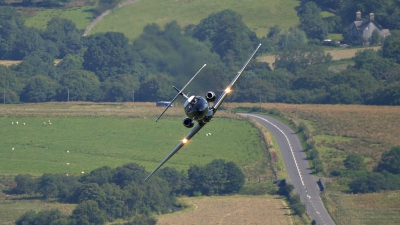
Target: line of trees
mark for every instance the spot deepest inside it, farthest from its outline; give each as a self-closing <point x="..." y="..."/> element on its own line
<point x="106" y="194"/>
<point x="107" y="67"/>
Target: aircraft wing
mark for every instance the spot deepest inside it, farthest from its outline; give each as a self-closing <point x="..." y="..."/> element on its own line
<point x="179" y="146"/>
<point x="233" y="82"/>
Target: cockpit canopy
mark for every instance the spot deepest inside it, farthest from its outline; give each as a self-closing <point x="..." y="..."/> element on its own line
<point x="196" y="107"/>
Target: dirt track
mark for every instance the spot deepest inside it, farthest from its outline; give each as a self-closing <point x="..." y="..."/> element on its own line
<point x="95" y="21"/>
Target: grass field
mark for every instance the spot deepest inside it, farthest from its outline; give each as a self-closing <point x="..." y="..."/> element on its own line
<point x="231" y="210"/>
<point x="84" y="137"/>
<point x="258" y="15"/>
<point x="81" y="16"/>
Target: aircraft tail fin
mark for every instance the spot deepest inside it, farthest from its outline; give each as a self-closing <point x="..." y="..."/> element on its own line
<point x="180" y="92"/>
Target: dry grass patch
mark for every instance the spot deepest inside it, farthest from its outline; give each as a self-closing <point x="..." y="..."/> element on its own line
<point x="9" y="62"/>
<point x="375" y="208"/>
<point x="231" y="210"/>
<point x="337" y="54"/>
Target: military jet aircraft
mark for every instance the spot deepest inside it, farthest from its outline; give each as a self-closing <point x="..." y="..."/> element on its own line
<point x="197" y="109"/>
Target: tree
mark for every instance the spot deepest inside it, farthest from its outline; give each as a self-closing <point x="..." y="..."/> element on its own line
<point x="119" y="88"/>
<point x="311" y="21"/>
<point x="10" y="85"/>
<point x="48" y="185"/>
<point x="274" y="32"/>
<point x="370" y="61"/>
<point x="70" y="62"/>
<point x="126" y="174"/>
<point x="297" y="206"/>
<point x="11" y="25"/>
<point x="284" y="188"/>
<point x="25" y="184"/>
<point x="30" y="42"/>
<point x="88" y="212"/>
<point x="153" y="88"/>
<point x="300" y="57"/>
<point x="108" y="54"/>
<point x="79" y="85"/>
<point x="99" y="176"/>
<point x="367" y="183"/>
<point x="361" y="87"/>
<point x="354" y="162"/>
<point x="230" y="38"/>
<point x="39" y="89"/>
<point x="37" y="63"/>
<point x="391" y="46"/>
<point x="234" y="180"/>
<point x="344" y="94"/>
<point x="65" y="35"/>
<point x="45" y="217"/>
<point x="177" y="181"/>
<point x="390" y="161"/>
<point x="292" y="38"/>
<point x="217" y="177"/>
<point x="389" y="95"/>
<point x="91" y="191"/>
<point x="375" y="38"/>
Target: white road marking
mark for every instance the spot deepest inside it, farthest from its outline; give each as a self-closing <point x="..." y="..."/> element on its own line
<point x="290" y="146"/>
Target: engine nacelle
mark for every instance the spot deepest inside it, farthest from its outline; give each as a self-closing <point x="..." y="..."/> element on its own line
<point x="210" y="96"/>
<point x="189" y="123"/>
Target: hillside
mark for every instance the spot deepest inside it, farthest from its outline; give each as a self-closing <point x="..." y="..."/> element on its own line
<point x="258" y="15"/>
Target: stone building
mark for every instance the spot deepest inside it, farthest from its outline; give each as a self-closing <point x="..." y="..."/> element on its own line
<point x="362" y="28"/>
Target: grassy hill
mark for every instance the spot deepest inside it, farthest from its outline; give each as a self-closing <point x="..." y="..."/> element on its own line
<point x="259" y="15"/>
<point x="81" y="16"/>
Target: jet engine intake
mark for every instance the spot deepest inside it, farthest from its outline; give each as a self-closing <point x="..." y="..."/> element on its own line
<point x="210" y="96"/>
<point x="189" y="123"/>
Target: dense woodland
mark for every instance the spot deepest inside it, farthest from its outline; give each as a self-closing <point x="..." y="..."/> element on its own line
<point x="109" y="67"/>
<point x="107" y="194"/>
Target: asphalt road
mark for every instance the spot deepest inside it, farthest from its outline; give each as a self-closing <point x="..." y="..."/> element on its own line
<point x="297" y="167"/>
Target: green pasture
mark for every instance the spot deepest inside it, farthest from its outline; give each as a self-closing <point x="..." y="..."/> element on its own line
<point x="74" y="145"/>
<point x="81" y="16"/>
<point x="258" y="15"/>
